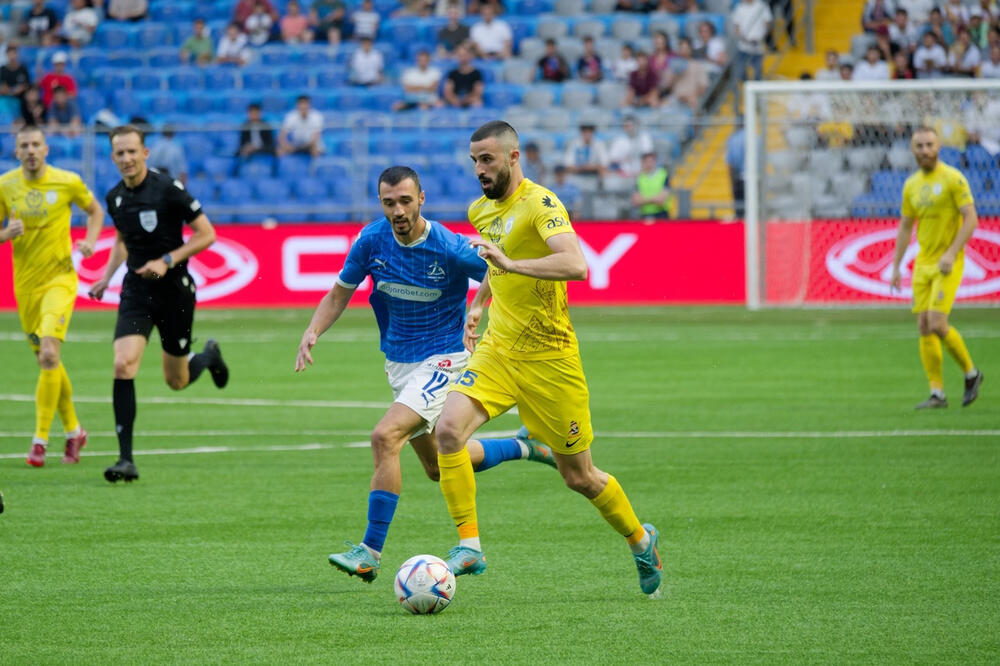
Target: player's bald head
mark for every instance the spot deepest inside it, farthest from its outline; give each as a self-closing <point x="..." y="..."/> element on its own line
<point x="505" y="135"/>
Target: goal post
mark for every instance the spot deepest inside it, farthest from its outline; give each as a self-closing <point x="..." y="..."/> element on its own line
<point x="824" y="178"/>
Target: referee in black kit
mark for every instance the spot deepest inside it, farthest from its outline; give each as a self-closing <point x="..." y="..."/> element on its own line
<point x="149" y="210"/>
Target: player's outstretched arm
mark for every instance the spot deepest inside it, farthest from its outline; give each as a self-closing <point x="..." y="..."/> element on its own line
<point x="95" y="222"/>
<point x="902" y="242"/>
<point x="970" y="220"/>
<point x="327" y="312"/>
<point x="118" y="255"/>
<point x="470" y="336"/>
<point x="565" y="263"/>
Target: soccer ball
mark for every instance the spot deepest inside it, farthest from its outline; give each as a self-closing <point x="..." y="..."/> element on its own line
<point x="424" y="585"/>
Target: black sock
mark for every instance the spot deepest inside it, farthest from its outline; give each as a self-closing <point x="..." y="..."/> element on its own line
<point x="123" y="399"/>
<point x="196" y="364"/>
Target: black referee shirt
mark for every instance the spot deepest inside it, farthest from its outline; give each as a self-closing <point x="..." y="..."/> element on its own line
<point x="150" y="218"/>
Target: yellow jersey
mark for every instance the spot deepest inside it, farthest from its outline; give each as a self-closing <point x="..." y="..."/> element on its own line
<point x="529" y="317"/>
<point x="933" y="200"/>
<point x="43" y="250"/>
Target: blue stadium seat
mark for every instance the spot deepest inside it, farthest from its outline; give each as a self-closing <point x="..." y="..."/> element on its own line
<point x="978" y="157"/>
<point x="114" y="36"/>
<point x="91" y="101"/>
<point x="214" y="11"/>
<point x="226" y="143"/>
<point x="532" y="7"/>
<point x="185" y="78"/>
<point x="126" y="104"/>
<point x="163" y="58"/>
<point x="202" y="189"/>
<point x="464" y="188"/>
<point x="989" y="205"/>
<point x="257" y="167"/>
<point x="92" y="59"/>
<point x="347" y="98"/>
<point x="175" y="11"/>
<point x="200" y="103"/>
<point x="316" y="56"/>
<point x="235" y="102"/>
<point x="234" y="191"/>
<point x="125" y="61"/>
<point x="888" y="182"/>
<point x="331" y="77"/>
<point x="522" y="26"/>
<point x="277" y="55"/>
<point x="381" y="98"/>
<point x="151" y="35"/>
<point x="219" y="78"/>
<point x="164" y="102"/>
<point x="294" y="78"/>
<point x="198" y="143"/>
<point x="108" y="79"/>
<point x="258" y="78"/>
<point x="331" y="169"/>
<point x="311" y="189"/>
<point x="951" y="156"/>
<point x="294" y="167"/>
<point x="145" y="80"/>
<point x="219" y="167"/>
<point x="271" y="190"/>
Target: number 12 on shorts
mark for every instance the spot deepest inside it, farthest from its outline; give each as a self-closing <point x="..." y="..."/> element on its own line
<point x="437" y="382"/>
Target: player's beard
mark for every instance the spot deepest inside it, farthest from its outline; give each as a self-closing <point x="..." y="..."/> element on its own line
<point x="497" y="187"/>
<point x="404" y="225"/>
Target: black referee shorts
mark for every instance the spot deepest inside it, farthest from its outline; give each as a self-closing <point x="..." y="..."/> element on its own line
<point x="167" y="303"/>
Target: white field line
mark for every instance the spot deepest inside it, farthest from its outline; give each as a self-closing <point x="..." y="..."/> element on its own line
<point x="232" y="402"/>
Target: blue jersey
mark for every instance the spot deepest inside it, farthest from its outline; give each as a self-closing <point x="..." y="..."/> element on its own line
<point x="418" y="291"/>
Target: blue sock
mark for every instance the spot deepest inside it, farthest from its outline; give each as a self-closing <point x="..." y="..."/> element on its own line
<point x="381" y="506"/>
<point x="495" y="451"/>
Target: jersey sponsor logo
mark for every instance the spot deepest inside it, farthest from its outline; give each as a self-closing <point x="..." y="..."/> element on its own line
<point x="216" y="272"/>
<point x="444" y="363"/>
<point x="555" y="222"/>
<point x="51" y="197"/>
<point x="148" y="220"/>
<point x="408" y="292"/>
<point x="436" y="272"/>
<point x="864" y="262"/>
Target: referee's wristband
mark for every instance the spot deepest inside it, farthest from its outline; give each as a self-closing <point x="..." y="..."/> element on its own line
<point x="168" y="260"/>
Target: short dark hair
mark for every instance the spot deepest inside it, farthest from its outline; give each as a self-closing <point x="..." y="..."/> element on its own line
<point x="122" y="130"/>
<point x="395" y="175"/>
<point x="30" y="128"/>
<point x="494" y="129"/>
<point x="57" y="88"/>
<point x="253" y="105"/>
<point x="302" y="97"/>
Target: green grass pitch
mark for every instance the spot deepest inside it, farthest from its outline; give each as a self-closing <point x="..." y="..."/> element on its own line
<point x="808" y="514"/>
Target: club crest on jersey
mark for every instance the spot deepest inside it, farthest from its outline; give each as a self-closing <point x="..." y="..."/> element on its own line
<point x="494" y="231"/>
<point x="510" y="225"/>
<point x="118" y="202"/>
<point x="50" y="197"/>
<point x="33" y="199"/>
<point x="436" y="272"/>
<point x="574" y="428"/>
<point x="937" y="188"/>
<point x="147" y="219"/>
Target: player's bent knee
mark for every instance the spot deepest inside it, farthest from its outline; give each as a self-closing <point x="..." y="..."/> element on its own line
<point x="124" y="368"/>
<point x="176" y="383"/>
<point x="48" y="359"/>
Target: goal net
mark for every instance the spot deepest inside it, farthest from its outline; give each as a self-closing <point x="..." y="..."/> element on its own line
<point x="824" y="182"/>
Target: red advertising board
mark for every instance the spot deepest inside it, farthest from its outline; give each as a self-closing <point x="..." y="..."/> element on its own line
<point x="294" y="265"/>
<point x="850" y="261"/>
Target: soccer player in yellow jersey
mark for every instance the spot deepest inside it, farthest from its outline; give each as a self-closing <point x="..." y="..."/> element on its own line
<point x="35" y="200"/>
<point x="937" y="197"/>
<point x="528" y="355"/>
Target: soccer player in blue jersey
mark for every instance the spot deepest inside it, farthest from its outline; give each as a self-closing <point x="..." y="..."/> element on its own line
<point x="420" y="275"/>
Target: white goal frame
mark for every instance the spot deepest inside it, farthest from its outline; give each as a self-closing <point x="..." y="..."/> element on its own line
<point x="753" y="91"/>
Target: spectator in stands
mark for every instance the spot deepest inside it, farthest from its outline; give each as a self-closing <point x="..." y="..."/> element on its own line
<point x="990" y="69"/>
<point x="873" y="67"/>
<point x="256" y="134"/>
<point x="782" y="8"/>
<point x="652" y="190"/>
<point x="636" y="6"/>
<point x="491" y="37"/>
<point x="964" y="57"/>
<point x="79" y="24"/>
<point x="677" y="6"/>
<point x="64" y="114"/>
<point x="244" y="8"/>
<point x="930" y="59"/>
<point x="566" y="191"/>
<point x="711" y="48"/>
<point x="903" y="33"/>
<point x="33" y="111"/>
<point x="940" y="28"/>
<point x="978" y="28"/>
<point x="643" y="84"/>
<point x="420" y="85"/>
<point x="128" y="10"/>
<point x="14" y="76"/>
<point x="751" y="21"/>
<point x="917" y="10"/>
<point x="423" y="8"/>
<point x="586" y="156"/>
<point x="552" y="66"/>
<point x="956" y="13"/>
<point x="464" y="86"/>
<point x="877" y="16"/>
<point x="301" y="131"/>
<point x="626" y="148"/>
<point x="626" y="63"/>
<point x="452" y="35"/>
<point x="233" y="49"/>
<point x="366" y="64"/>
<point x="198" y="47"/>
<point x="659" y="59"/>
<point x="832" y="70"/>
<point x="735" y="152"/>
<point x="40" y="25"/>
<point x="258" y="25"/>
<point x="364" y="21"/>
<point x="810" y="107"/>
<point x="686" y="79"/>
<point x="901" y="67"/>
<point x="532" y="165"/>
<point x="588" y="65"/>
<point x="846" y="71"/>
<point x="57" y="77"/>
<point x="327" y="15"/>
<point x="295" y="25"/>
<point x="442" y="8"/>
<point x="167" y="156"/>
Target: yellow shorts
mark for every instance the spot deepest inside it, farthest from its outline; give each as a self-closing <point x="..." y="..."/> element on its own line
<point x="934" y="291"/>
<point x="45" y="311"/>
<point x="551" y="395"/>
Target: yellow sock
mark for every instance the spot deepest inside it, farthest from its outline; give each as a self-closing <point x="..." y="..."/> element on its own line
<point x="67" y="413"/>
<point x="617" y="510"/>
<point x="458" y="484"/>
<point x="955" y="345"/>
<point x="46" y="397"/>
<point x="930" y="356"/>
